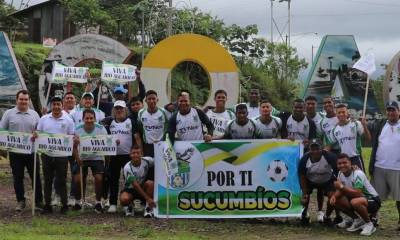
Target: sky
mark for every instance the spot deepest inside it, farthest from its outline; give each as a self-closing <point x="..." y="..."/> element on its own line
<point x="373" y="23"/>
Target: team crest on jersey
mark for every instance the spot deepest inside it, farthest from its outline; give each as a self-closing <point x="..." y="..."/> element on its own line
<point x="160" y="119"/>
<point x="353" y="129"/>
<point x="128" y="125"/>
<point x="195" y="118"/>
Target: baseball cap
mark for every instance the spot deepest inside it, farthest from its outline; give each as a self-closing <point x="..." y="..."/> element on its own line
<point x="315" y="142"/>
<point x="120" y="89"/>
<point x="392" y="104"/>
<point x="120" y="103"/>
<point x="87" y="94"/>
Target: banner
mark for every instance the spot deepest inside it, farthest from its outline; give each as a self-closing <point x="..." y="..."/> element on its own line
<point x="63" y="74"/>
<point x="54" y="145"/>
<point x="17" y="142"/>
<point x="118" y="73"/>
<point x="230" y="179"/>
<point x="169" y="156"/>
<point x="100" y="145"/>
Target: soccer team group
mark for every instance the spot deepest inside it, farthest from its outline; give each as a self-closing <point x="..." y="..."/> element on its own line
<point x="332" y="163"/>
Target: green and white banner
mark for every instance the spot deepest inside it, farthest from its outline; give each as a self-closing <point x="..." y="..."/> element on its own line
<point x="99" y="145"/>
<point x="63" y="74"/>
<point x="230" y="179"/>
<point x="17" y="142"/>
<point x="54" y="145"/>
<point x="118" y="73"/>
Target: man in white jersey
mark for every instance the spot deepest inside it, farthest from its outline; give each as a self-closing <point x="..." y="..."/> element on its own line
<point x="188" y="122"/>
<point x="298" y="126"/>
<point x="89" y="127"/>
<point x="347" y="134"/>
<point x="220" y="116"/>
<point x="355" y="195"/>
<point x="152" y="123"/>
<point x="384" y="166"/>
<point x="242" y="127"/>
<point x="137" y="186"/>
<point x="328" y="122"/>
<point x="269" y="126"/>
<point x="87" y="102"/>
<point x="311" y="111"/>
<point x="56" y="122"/>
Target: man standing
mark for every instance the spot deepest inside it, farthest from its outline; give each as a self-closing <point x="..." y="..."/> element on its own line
<point x="268" y="125"/>
<point x="22" y="119"/>
<point x="253" y="107"/>
<point x="242" y="127"/>
<point x="188" y="122"/>
<point x="69" y="102"/>
<point x="87" y="102"/>
<point x="56" y="122"/>
<point x="384" y="166"/>
<point x="220" y="116"/>
<point x="328" y="122"/>
<point x="311" y="110"/>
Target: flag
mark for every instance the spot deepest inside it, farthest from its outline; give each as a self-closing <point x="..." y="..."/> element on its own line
<point x="169" y="156"/>
<point x="366" y="64"/>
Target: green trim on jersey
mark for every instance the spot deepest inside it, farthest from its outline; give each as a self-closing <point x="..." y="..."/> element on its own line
<point x="141" y="112"/>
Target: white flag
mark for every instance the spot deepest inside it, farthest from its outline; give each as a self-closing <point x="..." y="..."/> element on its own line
<point x="366" y="64"/>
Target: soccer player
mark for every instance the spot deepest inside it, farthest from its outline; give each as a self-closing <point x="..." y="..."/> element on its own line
<point x="317" y="170"/>
<point x="87" y="102"/>
<point x="347" y="133"/>
<point x="220" y="116"/>
<point x="89" y="127"/>
<point x="253" y="105"/>
<point x="298" y="126"/>
<point x="188" y="122"/>
<point x="355" y="195"/>
<point x="56" y="122"/>
<point x="242" y="127"/>
<point x="125" y="131"/>
<point x="22" y="119"/>
<point x="136" y="185"/>
<point x="269" y="126"/>
<point x="311" y="110"/>
<point x="328" y="122"/>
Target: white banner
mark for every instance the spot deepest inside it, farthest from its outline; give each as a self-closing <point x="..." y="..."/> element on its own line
<point x="54" y="145"/>
<point x="169" y="156"/>
<point x="63" y="74"/>
<point x="17" y="142"/>
<point x="366" y="64"/>
<point x="100" y="145"/>
<point x="118" y="73"/>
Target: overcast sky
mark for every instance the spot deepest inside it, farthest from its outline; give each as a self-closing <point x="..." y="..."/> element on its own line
<point x="373" y="23"/>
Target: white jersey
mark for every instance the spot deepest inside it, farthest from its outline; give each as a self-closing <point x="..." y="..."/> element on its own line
<point x="298" y="130"/>
<point x="271" y="129"/>
<point x="220" y="121"/>
<point x="326" y="125"/>
<point x="247" y="131"/>
<point x="189" y="126"/>
<point x="123" y="132"/>
<point x="153" y="125"/>
<point x="98" y="130"/>
<point x="358" y="180"/>
<point x="388" y="152"/>
<point x="77" y="115"/>
<point x="139" y="174"/>
<point x="317" y="119"/>
<point x="349" y="137"/>
<point x="253" y="111"/>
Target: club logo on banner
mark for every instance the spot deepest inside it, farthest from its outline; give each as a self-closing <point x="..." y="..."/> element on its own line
<point x="100" y="145"/>
<point x="63" y="74"/>
<point x="17" y="142"/>
<point x="230" y="179"/>
<point x="54" y="145"/>
<point x="118" y="73"/>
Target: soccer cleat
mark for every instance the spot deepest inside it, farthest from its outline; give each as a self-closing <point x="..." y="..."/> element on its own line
<point x="368" y="229"/>
<point x="56" y="201"/>
<point x="345" y="223"/>
<point x="20" y="206"/>
<point x="98" y="208"/>
<point x="320" y="216"/>
<point x="357" y="225"/>
<point x="129" y="211"/>
<point x="71" y="201"/>
<point x="148" y="212"/>
<point x="112" y="209"/>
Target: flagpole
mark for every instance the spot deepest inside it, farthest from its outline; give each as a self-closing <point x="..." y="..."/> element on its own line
<point x="34" y="183"/>
<point x="98" y="95"/>
<point x="365" y="98"/>
<point x="82" y="198"/>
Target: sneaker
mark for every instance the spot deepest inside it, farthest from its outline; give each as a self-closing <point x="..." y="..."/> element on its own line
<point x="71" y="201"/>
<point x="106" y="203"/>
<point x="64" y="209"/>
<point x="320" y="216"/>
<point x="112" y="209"/>
<point x="87" y="205"/>
<point x="345" y="223"/>
<point x="129" y="211"/>
<point x="77" y="206"/>
<point x="47" y="209"/>
<point x="368" y="229"/>
<point x="20" y="206"/>
<point x="56" y="201"/>
<point x="98" y="208"/>
<point x="357" y="225"/>
<point x="148" y="212"/>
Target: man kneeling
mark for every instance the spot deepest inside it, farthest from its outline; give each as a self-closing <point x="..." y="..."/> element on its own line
<point x="355" y="195"/>
<point x="136" y="185"/>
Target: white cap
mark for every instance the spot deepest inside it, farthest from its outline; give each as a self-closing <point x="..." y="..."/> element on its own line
<point x="120" y="103"/>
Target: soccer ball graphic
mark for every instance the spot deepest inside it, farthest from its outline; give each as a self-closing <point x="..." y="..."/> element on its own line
<point x="177" y="182"/>
<point x="277" y="171"/>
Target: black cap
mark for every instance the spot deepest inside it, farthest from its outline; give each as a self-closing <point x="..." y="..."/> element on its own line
<point x="392" y="104"/>
<point x="315" y="142"/>
<point x="56" y="99"/>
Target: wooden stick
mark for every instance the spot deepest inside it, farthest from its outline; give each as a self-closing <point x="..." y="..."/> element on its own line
<point x="34" y="184"/>
<point x="365" y="98"/>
